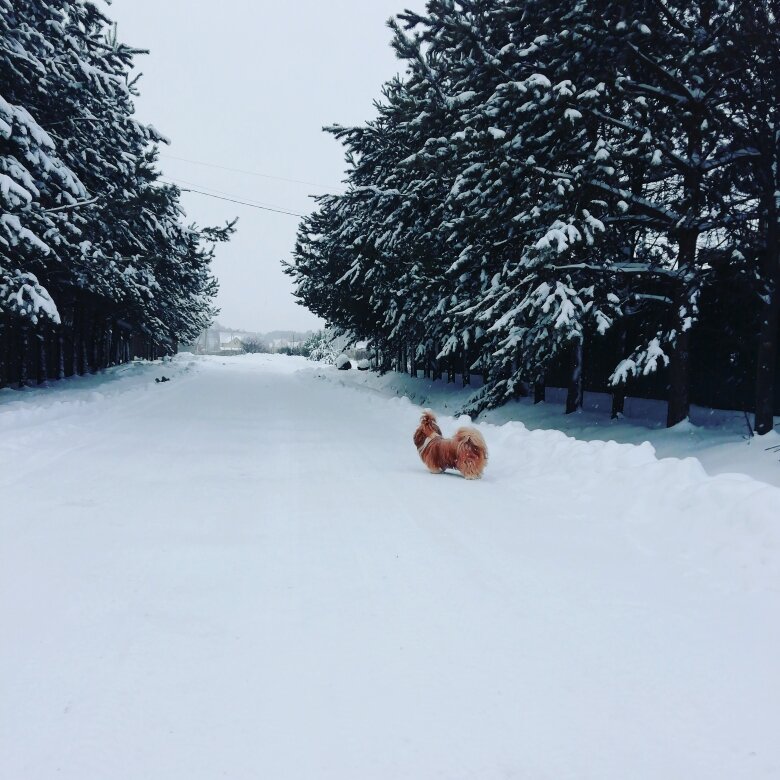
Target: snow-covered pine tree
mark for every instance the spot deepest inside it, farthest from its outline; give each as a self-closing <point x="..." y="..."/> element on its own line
<point x="34" y="180"/>
<point x="111" y="249"/>
<point x="365" y="260"/>
<point x="671" y="116"/>
<point x="516" y="206"/>
<point x="545" y="172"/>
<point x="453" y="198"/>
<point x="754" y="107"/>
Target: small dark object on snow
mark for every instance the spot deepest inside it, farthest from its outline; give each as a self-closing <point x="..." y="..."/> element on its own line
<point x="164" y="379"/>
<point x="343" y="363"/>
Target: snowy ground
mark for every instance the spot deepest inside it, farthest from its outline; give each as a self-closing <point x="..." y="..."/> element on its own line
<point x="719" y="439"/>
<point x="246" y="573"/>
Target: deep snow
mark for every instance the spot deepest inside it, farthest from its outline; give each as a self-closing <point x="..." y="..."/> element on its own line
<point x="719" y="439"/>
<point x="247" y="573"/>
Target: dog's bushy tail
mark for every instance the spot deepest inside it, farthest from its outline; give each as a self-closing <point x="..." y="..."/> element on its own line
<point x="471" y="452"/>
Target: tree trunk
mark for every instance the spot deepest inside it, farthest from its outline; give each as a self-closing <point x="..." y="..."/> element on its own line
<point x="42" y="372"/>
<point x="436" y="363"/>
<point x="24" y="342"/>
<point x="466" y="376"/>
<point x="76" y="348"/>
<point x="618" y="401"/>
<point x="74" y="338"/>
<point x="60" y="354"/>
<point x="679" y="370"/>
<point x="539" y="391"/>
<point x="766" y="370"/>
<point x="769" y="311"/>
<point x="84" y="343"/>
<point x="106" y="346"/>
<point x="96" y="343"/>
<point x="619" y="391"/>
<point x="3" y="355"/>
<point x="574" y="394"/>
<point x="679" y="404"/>
<point x="767" y="365"/>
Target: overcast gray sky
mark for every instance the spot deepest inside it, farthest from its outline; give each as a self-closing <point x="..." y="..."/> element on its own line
<point x="249" y="84"/>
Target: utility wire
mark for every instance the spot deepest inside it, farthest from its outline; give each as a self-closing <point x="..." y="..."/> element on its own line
<point x="202" y="188"/>
<point x="250" y="173"/>
<point x="242" y="202"/>
<point x="214" y="191"/>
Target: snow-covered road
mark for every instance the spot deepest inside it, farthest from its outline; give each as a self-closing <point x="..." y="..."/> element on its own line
<point x="246" y="573"/>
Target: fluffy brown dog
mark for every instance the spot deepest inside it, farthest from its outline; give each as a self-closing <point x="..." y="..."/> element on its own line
<point x="465" y="451"/>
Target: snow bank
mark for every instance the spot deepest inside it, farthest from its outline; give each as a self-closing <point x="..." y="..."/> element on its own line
<point x="718" y="439"/>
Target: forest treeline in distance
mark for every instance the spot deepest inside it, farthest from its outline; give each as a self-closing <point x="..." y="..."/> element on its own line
<point x="96" y="262"/>
<point x="568" y="192"/>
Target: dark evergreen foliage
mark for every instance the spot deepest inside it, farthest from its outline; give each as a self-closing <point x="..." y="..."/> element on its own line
<point x="557" y="179"/>
<point x="95" y="261"/>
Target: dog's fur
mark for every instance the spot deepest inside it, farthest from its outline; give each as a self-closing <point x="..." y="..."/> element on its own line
<point x="465" y="451"/>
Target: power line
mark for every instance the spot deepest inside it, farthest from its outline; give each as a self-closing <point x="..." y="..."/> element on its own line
<point x="242" y="202"/>
<point x="214" y="191"/>
<point x="250" y="173"/>
<point x="211" y="192"/>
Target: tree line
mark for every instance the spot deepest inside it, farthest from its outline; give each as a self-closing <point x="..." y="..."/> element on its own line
<point x="562" y="190"/>
<point x="96" y="262"/>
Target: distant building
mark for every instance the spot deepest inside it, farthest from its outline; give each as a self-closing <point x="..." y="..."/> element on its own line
<point x="217" y="340"/>
<point x="208" y="343"/>
<point x="234" y="345"/>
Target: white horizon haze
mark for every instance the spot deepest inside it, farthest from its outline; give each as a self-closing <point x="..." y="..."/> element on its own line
<point x="248" y="86"/>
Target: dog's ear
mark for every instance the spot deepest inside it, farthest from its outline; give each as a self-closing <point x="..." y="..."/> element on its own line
<point x="430" y="425"/>
<point x="419" y="437"/>
<point x="428" y="422"/>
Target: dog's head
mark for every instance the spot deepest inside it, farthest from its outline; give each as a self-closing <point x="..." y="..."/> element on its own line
<point x="427" y="427"/>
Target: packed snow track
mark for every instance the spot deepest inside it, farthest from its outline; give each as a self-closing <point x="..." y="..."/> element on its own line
<point x="247" y="573"/>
